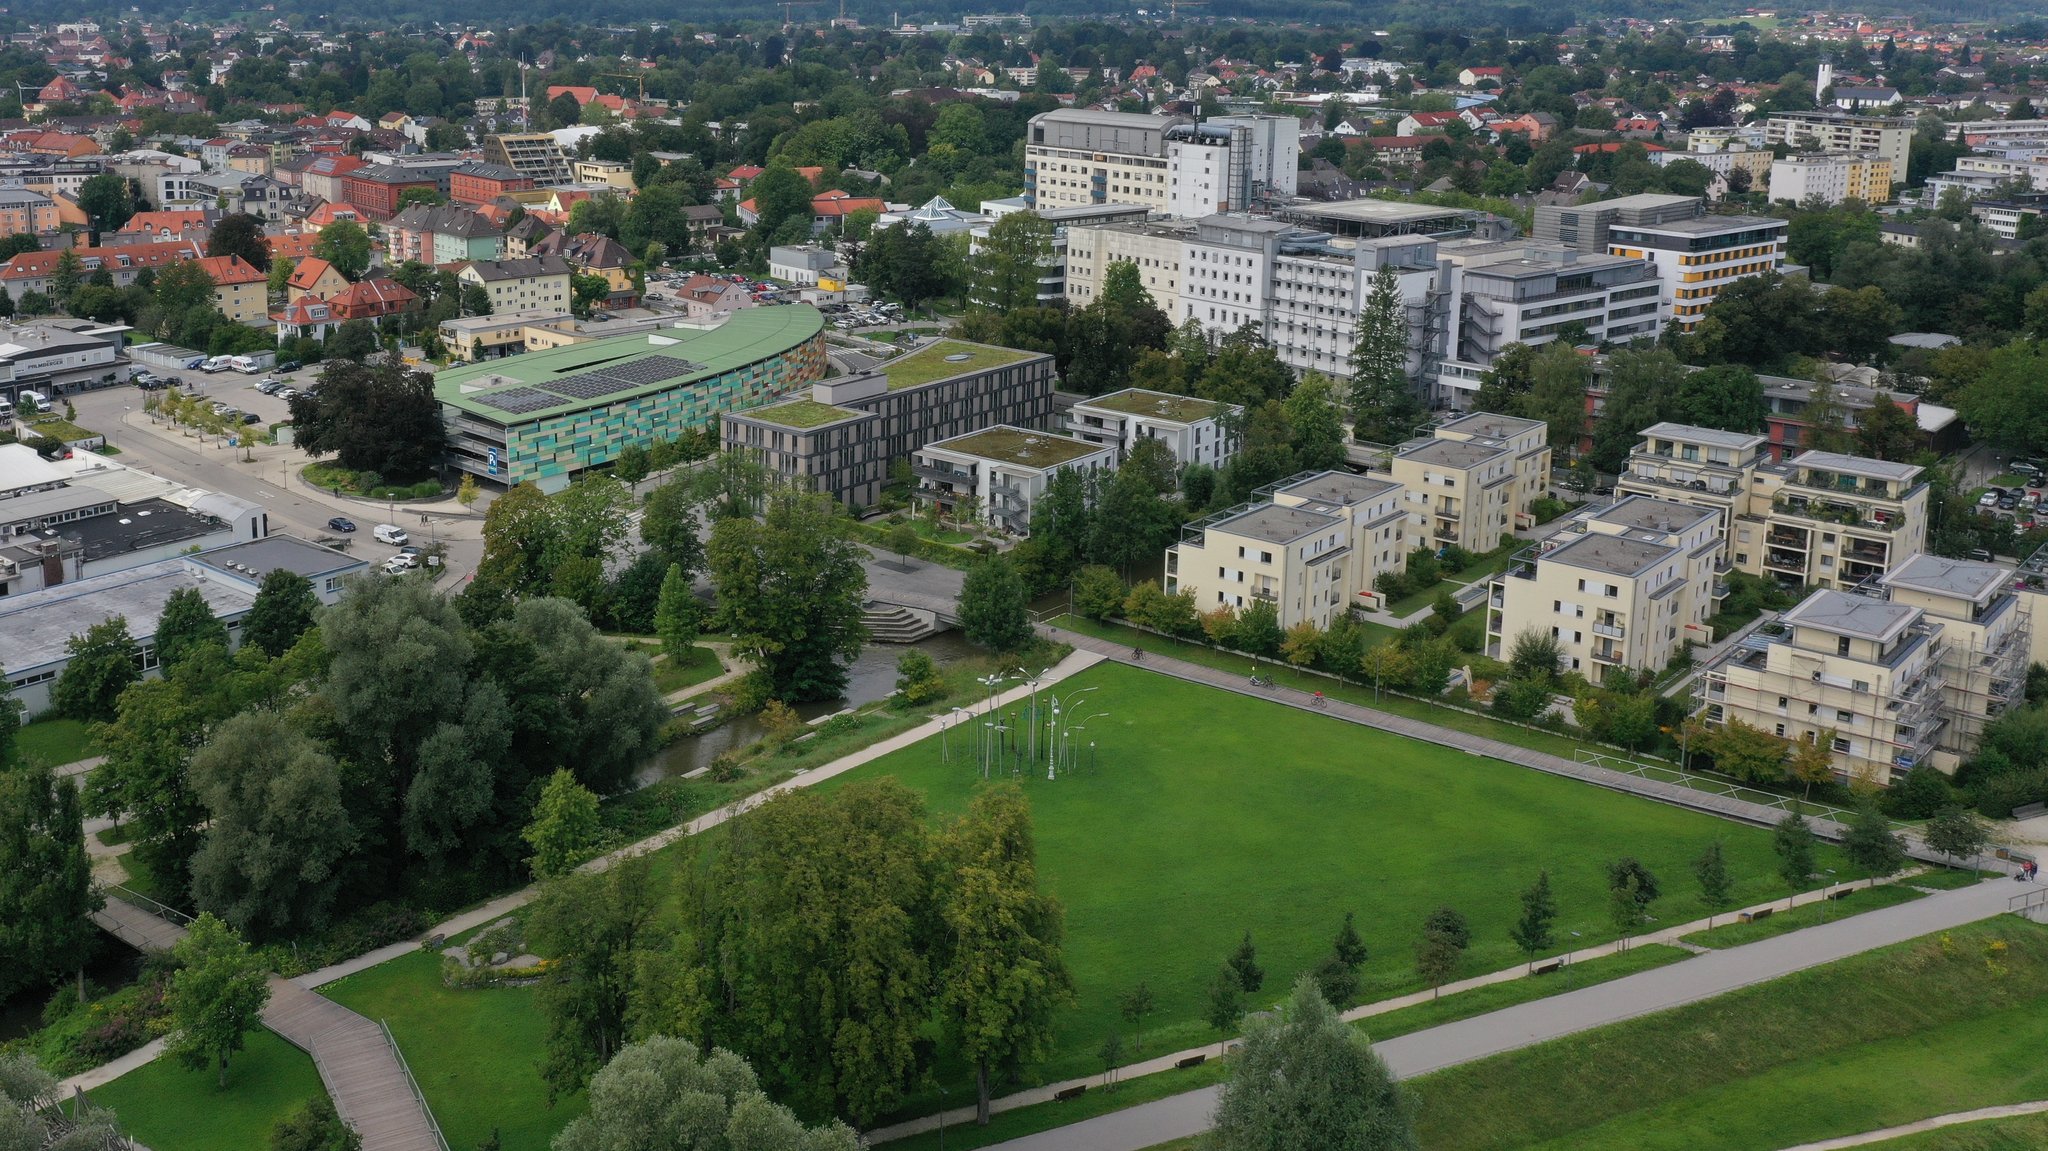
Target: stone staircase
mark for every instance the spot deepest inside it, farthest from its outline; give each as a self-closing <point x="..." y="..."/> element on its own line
<point x="892" y="623"/>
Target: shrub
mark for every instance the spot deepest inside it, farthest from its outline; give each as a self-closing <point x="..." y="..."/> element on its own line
<point x="727" y="767"/>
<point x="917" y="679"/>
<point x="1521" y="699"/>
<point x="845" y="723"/>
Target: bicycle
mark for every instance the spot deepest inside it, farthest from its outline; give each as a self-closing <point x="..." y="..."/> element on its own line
<point x="1138" y="654"/>
<point x="1260" y="681"/>
<point x="1321" y="700"/>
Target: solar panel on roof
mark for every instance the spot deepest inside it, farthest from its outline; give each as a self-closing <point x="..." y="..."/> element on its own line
<point x="587" y="386"/>
<point x="519" y="401"/>
<point x="650" y="370"/>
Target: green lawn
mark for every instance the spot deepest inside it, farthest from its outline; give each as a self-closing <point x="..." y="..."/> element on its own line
<point x="474" y="1052"/>
<point x="56" y="742"/>
<point x="170" y="1108"/>
<point x="1934" y="1025"/>
<point x="700" y="665"/>
<point x="2029" y="1133"/>
<point x="1733" y="933"/>
<point x="1213" y="814"/>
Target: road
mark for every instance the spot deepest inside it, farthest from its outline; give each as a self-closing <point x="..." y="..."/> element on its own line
<point x="1696" y="979"/>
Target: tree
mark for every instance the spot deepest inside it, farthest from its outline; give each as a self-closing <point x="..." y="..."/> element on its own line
<point x="1632" y="888"/>
<point x="282" y="612"/>
<point x="1244" y="962"/>
<point x="345" y="245"/>
<point x="668" y="526"/>
<point x="565" y="825"/>
<point x="1716" y="888"/>
<point x="903" y="540"/>
<point x="2002" y="405"/>
<point x="994" y="609"/>
<point x="240" y="234"/>
<point x="216" y="997"/>
<point x="377" y="417"/>
<point x="279" y="279"/>
<point x="1317" y="425"/>
<point x="1449" y="922"/>
<point x="630" y="467"/>
<point x="1348" y="947"/>
<point x="1304" y="1080"/>
<point x="476" y="301"/>
<point x="314" y="1127"/>
<point x="667" y="1094"/>
<point x="1872" y="845"/>
<point x="1641" y="387"/>
<point x="105" y="198"/>
<point x="46" y="888"/>
<point x="676" y="615"/>
<point x="1002" y="978"/>
<point x="1534" y="656"/>
<point x="791" y="587"/>
<point x="1746" y="752"/>
<point x="353" y="342"/>
<point x="1813" y="759"/>
<point x="1956" y="833"/>
<point x="10" y="723"/>
<point x="1226" y="1003"/>
<point x="1008" y="266"/>
<point x="187" y="622"/>
<point x="1436" y="959"/>
<point x="1558" y="377"/>
<point x="101" y="667"/>
<point x="1532" y="932"/>
<point x="66" y="276"/>
<point x="1134" y="1005"/>
<point x="1886" y="432"/>
<point x="595" y="928"/>
<point x="1725" y="396"/>
<point x="1792" y="839"/>
<point x="1384" y="408"/>
<point x="278" y="831"/>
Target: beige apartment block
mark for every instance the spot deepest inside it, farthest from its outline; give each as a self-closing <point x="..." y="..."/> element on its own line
<point x="1986" y="635"/>
<point x="1830" y="520"/>
<point x="1864" y="673"/>
<point x="1624" y="586"/>
<point x="1456" y="492"/>
<point x="997" y="474"/>
<point x="1313" y="551"/>
<point x="1704" y="467"/>
<point x="1529" y="440"/>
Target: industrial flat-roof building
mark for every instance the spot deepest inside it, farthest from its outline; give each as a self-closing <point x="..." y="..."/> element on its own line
<point x="546" y="416"/>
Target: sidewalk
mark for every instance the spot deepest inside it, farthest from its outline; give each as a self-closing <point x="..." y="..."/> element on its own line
<point x="1934" y="1123"/>
<point x="1467" y="1040"/>
<point x="1667" y="935"/>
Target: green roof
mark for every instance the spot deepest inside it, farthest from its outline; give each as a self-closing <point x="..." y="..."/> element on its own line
<point x="935" y="362"/>
<point x="802" y="414"/>
<point x="1020" y="446"/>
<point x="521" y="382"/>
<point x="1164" y="405"/>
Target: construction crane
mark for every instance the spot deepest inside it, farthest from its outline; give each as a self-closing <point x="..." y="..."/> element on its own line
<point x="639" y="78"/>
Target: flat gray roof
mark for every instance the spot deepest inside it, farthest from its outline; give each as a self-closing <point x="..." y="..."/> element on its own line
<point x="35" y="626"/>
<point x="1338" y="488"/>
<point x="1492" y="424"/>
<point x="1453" y="453"/>
<point x="1374" y="211"/>
<point x="1651" y="514"/>
<point x="1706" y="225"/>
<point x="1856" y="465"/>
<point x="1276" y="524"/>
<point x="1642" y="200"/>
<point x="1614" y="555"/>
<point x="266" y="555"/>
<point x="1859" y="617"/>
<point x="1966" y="579"/>
<point x="1698" y="435"/>
<point x="36" y="505"/>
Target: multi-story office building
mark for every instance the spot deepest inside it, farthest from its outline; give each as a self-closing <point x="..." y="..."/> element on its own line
<point x="1986" y="635"/>
<point x="1311" y="545"/>
<point x="1625" y="586"/>
<point x="1075" y="157"/>
<point x="1889" y="136"/>
<point x="995" y="475"/>
<point x="843" y="437"/>
<point x="1191" y="428"/>
<point x="1861" y="673"/>
<point x="1697" y="257"/>
<point x="1832" y="177"/>
<point x="1153" y="247"/>
<point x="1530" y="298"/>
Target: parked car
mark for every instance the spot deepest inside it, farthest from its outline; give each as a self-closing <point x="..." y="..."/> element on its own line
<point x="410" y="550"/>
<point x="399" y="565"/>
<point x="2008" y="502"/>
<point x="290" y="366"/>
<point x="391" y="534"/>
<point x="251" y="418"/>
<point x="1990" y="498"/>
<point x="2024" y="467"/>
<point x="1980" y="555"/>
<point x="341" y="524"/>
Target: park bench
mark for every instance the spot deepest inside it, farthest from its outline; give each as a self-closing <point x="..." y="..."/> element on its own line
<point x="1192" y="1061"/>
<point x="1753" y="916"/>
<point x="1554" y="965"/>
<point x="1070" y="1093"/>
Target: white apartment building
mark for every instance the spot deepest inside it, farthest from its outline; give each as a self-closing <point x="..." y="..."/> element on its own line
<point x="1075" y="157"/>
<point x="1696" y="258"/>
<point x="1190" y="428"/>
<point x="997" y="474"/>
<point x="1624" y="586"/>
<point x="1312" y="548"/>
<point x="1985" y="175"/>
<point x="1832" y="177"/>
<point x="1889" y="136"/>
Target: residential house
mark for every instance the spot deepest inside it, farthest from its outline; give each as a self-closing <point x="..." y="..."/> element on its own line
<point x="31" y="271"/>
<point x="478" y="182"/>
<point x="306" y="317"/>
<point x="517" y="285"/>
<point x="1312" y="549"/>
<point x="240" y="291"/>
<point x="325" y="177"/>
<point x="524" y="235"/>
<point x="372" y="299"/>
<point x="995" y="475"/>
<point x="595" y="254"/>
<point x="163" y="227"/>
<point x="440" y="234"/>
<point x="27" y="212"/>
<point x="315" y="277"/>
<point x="376" y="189"/>
<point x="703" y="297"/>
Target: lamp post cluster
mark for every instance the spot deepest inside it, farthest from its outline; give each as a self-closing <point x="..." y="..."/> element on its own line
<point x="1014" y="737"/>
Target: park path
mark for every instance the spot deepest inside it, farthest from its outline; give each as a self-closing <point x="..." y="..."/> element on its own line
<point x="1932" y="1123"/>
<point x="1699" y="978"/>
<point x="360" y="1066"/>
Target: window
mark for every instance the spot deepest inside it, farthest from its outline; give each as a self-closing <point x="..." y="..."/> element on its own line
<point x="1781" y="731"/>
<point x="1842" y="645"/>
<point x="1841" y="745"/>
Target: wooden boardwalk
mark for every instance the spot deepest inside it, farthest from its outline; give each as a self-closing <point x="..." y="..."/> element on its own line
<point x="364" y="1073"/>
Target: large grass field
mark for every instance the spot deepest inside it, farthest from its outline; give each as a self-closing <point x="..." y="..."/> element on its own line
<point x="1214" y="814"/>
<point x="168" y="1108"/>
<point x="475" y="1052"/>
<point x="1934" y="1025"/>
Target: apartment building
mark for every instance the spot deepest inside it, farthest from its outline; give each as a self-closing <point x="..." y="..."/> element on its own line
<point x="1827" y="520"/>
<point x="1728" y="149"/>
<point x="1527" y="440"/>
<point x="1704" y="467"/>
<point x="240" y="291"/>
<point x="1456" y="493"/>
<point x="518" y="285"/>
<point x="1990" y="175"/>
<point x="844" y="434"/>
<point x="1832" y="177"/>
<point x="1312" y="545"/>
<point x="1697" y="257"/>
<point x="1891" y="137"/>
<point x="1861" y="672"/>
<point x="1986" y="636"/>
<point x="1075" y="157"/>
<point x="1624" y="586"/>
<point x="1153" y="247"/>
<point x="995" y="475"/>
<point x="1192" y="429"/>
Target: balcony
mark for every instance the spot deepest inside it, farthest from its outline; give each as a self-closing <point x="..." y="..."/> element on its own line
<point x="1610" y="655"/>
<point x="1781" y="537"/>
<point x="1783" y="561"/>
<point x="1867" y="551"/>
<point x="942" y="475"/>
<point x="1610" y="630"/>
<point x="1266" y="594"/>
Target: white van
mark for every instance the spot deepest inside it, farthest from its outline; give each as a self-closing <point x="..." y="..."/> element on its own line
<point x="391" y="534"/>
<point x="32" y="402"/>
<point x="245" y="364"/>
<point x="218" y="364"/>
<point x="6" y="410"/>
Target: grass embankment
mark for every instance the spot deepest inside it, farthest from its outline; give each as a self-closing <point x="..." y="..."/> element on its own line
<point x="167" y="1107"/>
<point x="1733" y="933"/>
<point x="2029" y="1133"/>
<point x="475" y="1051"/>
<point x="1934" y="1025"/>
<point x="1213" y="814"/>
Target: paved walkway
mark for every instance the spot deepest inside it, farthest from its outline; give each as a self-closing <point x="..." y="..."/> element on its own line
<point x="1669" y="935"/>
<point x="1703" y="977"/>
<point x="1935" y="1123"/>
